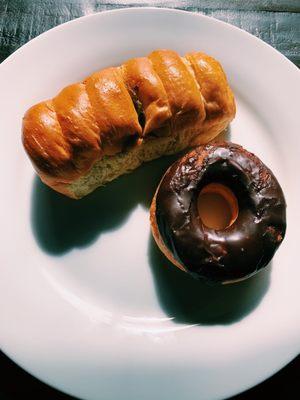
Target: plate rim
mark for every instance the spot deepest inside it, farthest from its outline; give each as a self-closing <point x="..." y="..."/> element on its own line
<point x="160" y="9"/>
<point x="43" y="35"/>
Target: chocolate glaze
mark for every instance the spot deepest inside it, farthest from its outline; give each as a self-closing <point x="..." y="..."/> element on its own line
<point x="250" y="242"/>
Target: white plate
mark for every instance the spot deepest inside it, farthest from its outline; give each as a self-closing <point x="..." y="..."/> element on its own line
<point x="87" y="303"/>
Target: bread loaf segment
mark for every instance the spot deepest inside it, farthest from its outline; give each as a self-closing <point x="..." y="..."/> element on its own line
<point x="79" y="128"/>
<point x="218" y="98"/>
<point x="182" y="89"/>
<point x="114" y="110"/>
<point x="88" y="134"/>
<point x="145" y="87"/>
<point x="45" y="143"/>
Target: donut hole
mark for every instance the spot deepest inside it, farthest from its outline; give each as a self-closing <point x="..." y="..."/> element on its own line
<point x="217" y="206"/>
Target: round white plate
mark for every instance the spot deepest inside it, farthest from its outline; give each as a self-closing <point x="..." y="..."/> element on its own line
<point x="87" y="302"/>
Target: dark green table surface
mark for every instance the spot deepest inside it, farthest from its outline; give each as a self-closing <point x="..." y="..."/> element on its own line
<point x="277" y="22"/>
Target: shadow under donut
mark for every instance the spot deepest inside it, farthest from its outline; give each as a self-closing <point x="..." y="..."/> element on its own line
<point x="188" y="300"/>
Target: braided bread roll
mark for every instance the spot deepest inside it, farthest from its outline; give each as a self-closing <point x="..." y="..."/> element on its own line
<point x="119" y="117"/>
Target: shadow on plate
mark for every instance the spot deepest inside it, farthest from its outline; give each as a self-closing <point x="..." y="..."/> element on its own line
<point x="190" y="301"/>
<point x="60" y="224"/>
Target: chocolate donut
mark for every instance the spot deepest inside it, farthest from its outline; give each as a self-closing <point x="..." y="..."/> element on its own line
<point x="254" y="226"/>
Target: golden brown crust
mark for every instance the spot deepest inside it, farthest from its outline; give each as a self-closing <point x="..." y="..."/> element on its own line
<point x="78" y="125"/>
<point x="188" y="98"/>
<point x="60" y="187"/>
<point x="114" y="110"/>
<point x="183" y="92"/>
<point x="218" y="98"/>
<point x="145" y="85"/>
<point x="45" y="144"/>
